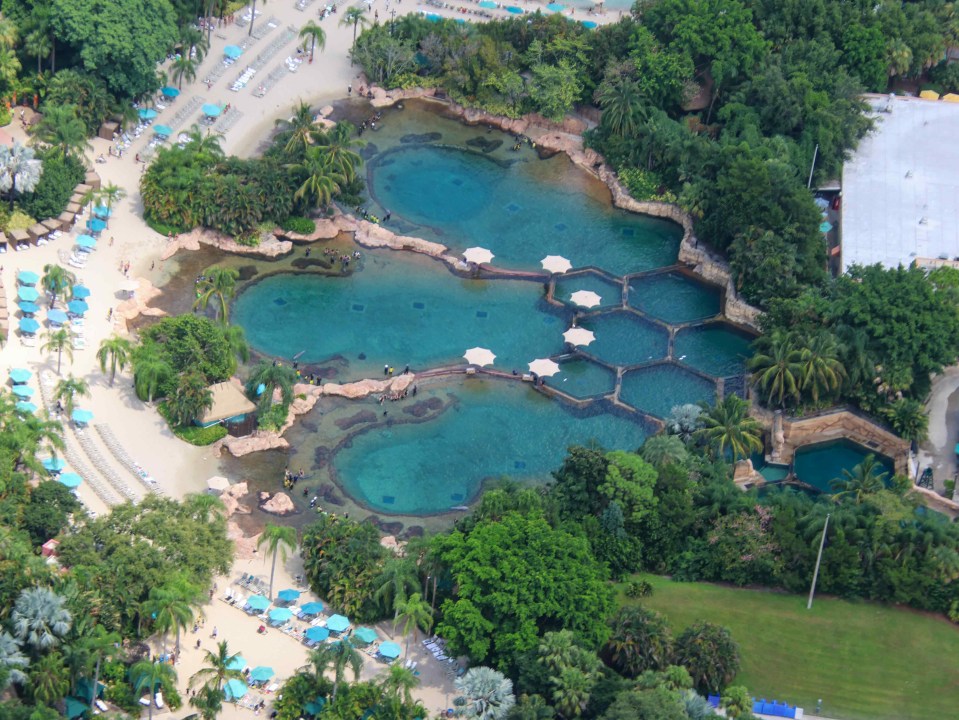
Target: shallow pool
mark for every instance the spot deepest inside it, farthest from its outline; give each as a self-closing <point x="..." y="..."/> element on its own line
<point x="819" y="464"/>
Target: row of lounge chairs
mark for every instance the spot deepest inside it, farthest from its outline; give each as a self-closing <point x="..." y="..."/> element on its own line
<point x="123" y="457"/>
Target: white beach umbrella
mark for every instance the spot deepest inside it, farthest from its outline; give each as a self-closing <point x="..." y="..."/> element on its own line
<point x="478" y="255"/>
<point x="579" y="336"/>
<point x="556" y="264"/>
<point x="479" y="356"/>
<point x="217" y="484"/>
<point x="586" y="298"/>
<point x="544" y="367"/>
<point x="130" y="285"/>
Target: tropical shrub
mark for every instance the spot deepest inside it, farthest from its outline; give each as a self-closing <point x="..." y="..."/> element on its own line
<point x="61" y="174"/>
<point x="301" y="225"/>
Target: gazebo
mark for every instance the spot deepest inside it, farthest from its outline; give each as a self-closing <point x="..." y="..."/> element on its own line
<point x="229" y="403"/>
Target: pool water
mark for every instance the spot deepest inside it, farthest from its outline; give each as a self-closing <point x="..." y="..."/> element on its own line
<point x="610" y="292"/>
<point x="716" y="349"/>
<point x="657" y="389"/>
<point x="819" y="464"/>
<point x="624" y="338"/>
<point x="674" y="298"/>
<point x="583" y="379"/>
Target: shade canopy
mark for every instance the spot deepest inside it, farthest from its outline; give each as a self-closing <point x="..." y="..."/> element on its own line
<point x="556" y="264"/>
<point x="280" y="615"/>
<point x="54" y="464"/>
<point x="30" y="294"/>
<point x="233" y="51"/>
<point x="102" y="211"/>
<point x="390" y="650"/>
<point x="163" y="130"/>
<point x="20" y="375"/>
<point x="29" y="326"/>
<point x="261" y="673"/>
<point x="258" y="602"/>
<point x="77" y="307"/>
<point x="586" y="298"/>
<point x="365" y="634"/>
<point x="170" y="92"/>
<point x="234" y="689"/>
<point x="80" y="292"/>
<point x="316" y="634"/>
<point x="579" y="336"/>
<point x="337" y="623"/>
<point x="147" y="113"/>
<point x="57" y="316"/>
<point x="478" y="255"/>
<point x="86" y="242"/>
<point x="951" y="97"/>
<point x="28" y="307"/>
<point x="544" y="367"/>
<point x="236" y="663"/>
<point x="211" y="110"/>
<point x="27" y="277"/>
<point x="71" y="480"/>
<point x="288" y="595"/>
<point x="25" y="406"/>
<point x="488" y="5"/>
<point x="514" y="10"/>
<point x="479" y="356"/>
<point x="555" y="7"/>
<point x="96" y="225"/>
<point x="23" y="391"/>
<point x="311" y="608"/>
<point x="825" y="226"/>
<point x="81" y="416"/>
<point x="217" y="483"/>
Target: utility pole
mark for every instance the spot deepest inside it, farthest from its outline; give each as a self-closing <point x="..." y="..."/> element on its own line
<point x="812" y="168"/>
<point x="815" y="575"/>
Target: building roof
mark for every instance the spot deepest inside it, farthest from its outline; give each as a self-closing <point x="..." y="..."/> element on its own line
<point x="901" y="187"/>
<point x="228" y="401"/>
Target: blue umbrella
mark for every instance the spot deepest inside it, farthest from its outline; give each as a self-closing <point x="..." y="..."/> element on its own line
<point x="27" y="277"/>
<point x="170" y="92"/>
<point x="71" y="480"/>
<point x="211" y="110"/>
<point x="86" y="243"/>
<point x="28" y="307"/>
<point x="825" y="227"/>
<point x="233" y="51"/>
<point x="258" y="602"/>
<point x="365" y="634"/>
<point x="311" y="608"/>
<point x="29" y="294"/>
<point x="234" y="689"/>
<point x="237" y="663"/>
<point x="589" y="24"/>
<point x="54" y="464"/>
<point x="162" y="130"/>
<point x="260" y="389"/>
<point x="316" y="634"/>
<point x="288" y="595"/>
<point x="57" y="316"/>
<point x="261" y="673"/>
<point x="280" y="615"/>
<point x="390" y="650"/>
<point x="77" y="307"/>
<point x="337" y="623"/>
<point x="81" y="291"/>
<point x="29" y="325"/>
<point x="488" y="5"/>
<point x="26" y="407"/>
<point x="96" y="225"/>
<point x="82" y="417"/>
<point x="21" y="375"/>
<point x="433" y="17"/>
<point x="102" y="211"/>
<point x="147" y="113"/>
<point x="513" y="9"/>
<point x="555" y="7"/>
<point x="23" y="391"/>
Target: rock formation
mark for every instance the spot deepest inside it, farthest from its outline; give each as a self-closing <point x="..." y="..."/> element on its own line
<point x="279" y="504"/>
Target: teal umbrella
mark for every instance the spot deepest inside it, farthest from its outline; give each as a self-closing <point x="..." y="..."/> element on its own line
<point x="390" y="650"/>
<point x="280" y="615"/>
<point x="96" y="225"/>
<point x="102" y="211"/>
<point x="23" y="391"/>
<point x="234" y="689"/>
<point x="337" y="623"/>
<point x="71" y="480"/>
<point x="311" y="608"/>
<point x="28" y="308"/>
<point x="211" y="110"/>
<point x="589" y="24"/>
<point x="261" y="673"/>
<point x="27" y="277"/>
<point x="86" y="241"/>
<point x="81" y="292"/>
<point x="81" y="417"/>
<point x="26" y="407"/>
<point x="514" y="10"/>
<point x="170" y="92"/>
<point x="147" y="113"/>
<point x="316" y="634"/>
<point x="237" y="663"/>
<point x="825" y="227"/>
<point x="365" y="634"/>
<point x="233" y="51"/>
<point x="57" y="316"/>
<point x="77" y="307"/>
<point x="288" y="595"/>
<point x="30" y="294"/>
<point x="555" y="7"/>
<point x="488" y="5"/>
<point x="163" y="130"/>
<point x="54" y="464"/>
<point x="258" y="602"/>
<point x="29" y="326"/>
<point x="20" y="375"/>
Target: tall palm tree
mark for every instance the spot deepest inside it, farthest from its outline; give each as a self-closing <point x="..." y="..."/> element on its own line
<point x="183" y="68"/>
<point x="236" y="340"/>
<point x="171" y="606"/>
<point x="298" y="130"/>
<point x="40" y="619"/>
<point x="488" y="694"/>
<point x="394" y="584"/>
<point x="205" y="145"/>
<point x="866" y="478"/>
<point x="322" y="181"/>
<point x="37" y="43"/>
<point x="68" y="390"/>
<point x="414" y="612"/>
<point x="337" y="656"/>
<point x="217" y="670"/>
<point x="57" y="281"/>
<point x="337" y="145"/>
<point x="208" y="701"/>
<point x="49" y="679"/>
<point x="62" y="128"/>
<point x="101" y="645"/>
<point x="316" y="34"/>
<point x="58" y="341"/>
<point x="113" y="352"/>
<point x="253" y="14"/>
<point x="191" y="398"/>
<point x="272" y="377"/>
<point x="727" y="426"/>
<point x="820" y="368"/>
<point x="776" y="369"/>
<point x="621" y="100"/>
<point x="218" y="284"/>
<point x="662" y="450"/>
<point x="110" y="194"/>
<point x="399" y="682"/>
<point x="908" y="418"/>
<point x="356" y="17"/>
<point x="150" y="370"/>
<point x="194" y="42"/>
<point x="571" y="691"/>
<point x="278" y="539"/>
<point x="149" y="675"/>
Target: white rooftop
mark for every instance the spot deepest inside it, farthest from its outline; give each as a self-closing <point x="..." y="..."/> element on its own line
<point x="901" y="188"/>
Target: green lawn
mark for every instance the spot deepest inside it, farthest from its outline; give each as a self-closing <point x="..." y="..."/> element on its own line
<point x="866" y="662"/>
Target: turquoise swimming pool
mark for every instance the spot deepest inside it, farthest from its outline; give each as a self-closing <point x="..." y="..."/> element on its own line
<point x="819" y="464"/>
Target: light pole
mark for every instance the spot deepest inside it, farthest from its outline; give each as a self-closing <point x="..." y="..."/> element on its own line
<point x="815" y="575"/>
<point x="392" y="18"/>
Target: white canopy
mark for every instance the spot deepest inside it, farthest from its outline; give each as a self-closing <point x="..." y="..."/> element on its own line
<point x="556" y="264"/>
<point x="544" y="367"/>
<point x="217" y="484"/>
<point x="478" y="255"/>
<point x="579" y="336"/>
<point x="479" y="356"/>
<point x="586" y="298"/>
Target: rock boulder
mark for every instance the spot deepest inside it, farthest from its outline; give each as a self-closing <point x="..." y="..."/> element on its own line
<point x="279" y="504"/>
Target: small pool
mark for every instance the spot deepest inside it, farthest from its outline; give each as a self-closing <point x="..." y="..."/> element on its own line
<point x="717" y="349"/>
<point x="819" y="464"/>
<point x="674" y="298"/>
<point x="659" y="388"/>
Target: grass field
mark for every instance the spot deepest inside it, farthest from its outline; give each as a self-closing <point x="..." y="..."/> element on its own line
<point x="866" y="662"/>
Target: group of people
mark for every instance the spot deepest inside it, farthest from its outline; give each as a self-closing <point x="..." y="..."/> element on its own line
<point x="373" y="119"/>
<point x="292" y="478"/>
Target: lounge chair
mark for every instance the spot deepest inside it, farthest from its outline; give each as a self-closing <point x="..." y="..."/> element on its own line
<point x="158" y="699"/>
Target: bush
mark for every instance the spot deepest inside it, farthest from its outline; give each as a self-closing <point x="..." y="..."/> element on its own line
<point x="60" y="176"/>
<point x="19" y="220"/>
<point x="5" y="116"/>
<point x="645" y="185"/>
<point x="162" y="228"/>
<point x="299" y="225"/>
<point x="200" y="436"/>
<point x="639" y="588"/>
<point x="273" y="418"/>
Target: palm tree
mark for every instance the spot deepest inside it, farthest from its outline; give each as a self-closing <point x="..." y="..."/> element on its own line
<point x="639" y="641"/>
<point x="394" y="584"/>
<point x="298" y="129"/>
<point x="684" y="421"/>
<point x="191" y="398"/>
<point x="414" y="612"/>
<point x="819" y="365"/>
<point x="662" y="450"/>
<point x="909" y="419"/>
<point x="183" y="68"/>
<point x="866" y="478"/>
<point x="19" y="169"/>
<point x="316" y="34"/>
<point x="217" y="669"/>
<point x="109" y="194"/>
<point x="218" y="284"/>
<point x="488" y="694"/>
<point x="271" y="377"/>
<point x="777" y="370"/>
<point x="57" y="281"/>
<point x="253" y="14"/>
<point x="621" y="100"/>
<point x="150" y="370"/>
<point x="194" y="42"/>
<point x="149" y="675"/>
<point x="399" y="682"/>
<point x="12" y="662"/>
<point x="898" y="57"/>
<point x="40" y="619"/>
<point x="322" y="181"/>
<point x="710" y="655"/>
<point x="59" y="342"/>
<point x="338" y="656"/>
<point x="209" y="701"/>
<point x="727" y="427"/>
<point x="61" y="127"/>
<point x="49" y="679"/>
<point x="236" y="340"/>
<point x="101" y="645"/>
<point x="337" y="145"/>
<point x="113" y="352"/>
<point x="356" y="17"/>
<point x="37" y="43"/>
<point x="171" y="606"/>
<point x="68" y="390"/>
<point x="571" y="691"/>
<point x="205" y="146"/>
<point x="278" y="539"/>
